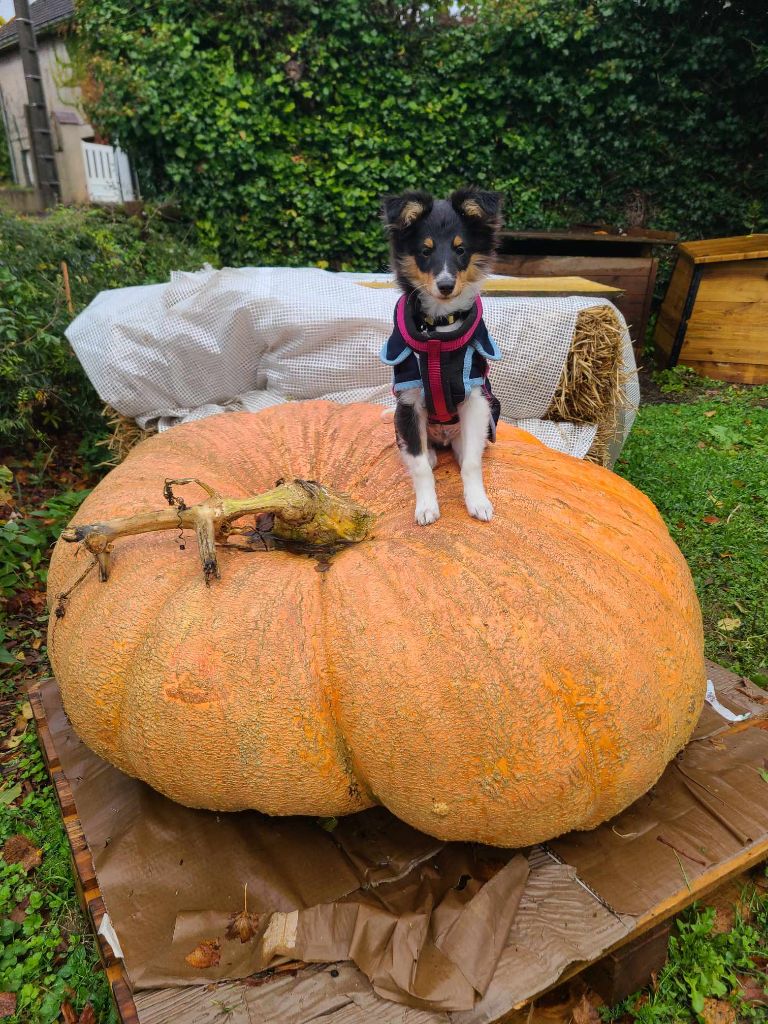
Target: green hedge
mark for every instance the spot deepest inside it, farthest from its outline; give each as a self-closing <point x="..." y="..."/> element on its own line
<point x="42" y="386"/>
<point x="279" y="125"/>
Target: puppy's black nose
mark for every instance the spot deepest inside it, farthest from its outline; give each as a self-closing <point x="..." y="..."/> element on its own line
<point x="445" y="289"/>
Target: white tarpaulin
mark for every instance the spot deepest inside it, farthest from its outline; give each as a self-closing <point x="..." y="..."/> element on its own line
<point x="233" y="339"/>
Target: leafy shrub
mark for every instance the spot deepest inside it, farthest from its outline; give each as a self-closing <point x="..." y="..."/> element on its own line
<point x="280" y="125"/>
<point x="42" y="386"/>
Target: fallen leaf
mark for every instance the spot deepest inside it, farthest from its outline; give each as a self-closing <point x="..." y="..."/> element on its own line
<point x="710" y="520"/>
<point x="19" y="850"/>
<point x="712" y="412"/>
<point x="728" y="625"/>
<point x="18" y="914"/>
<point x="69" y="1014"/>
<point x="206" y="954"/>
<point x="7" y="1004"/>
<point x="7" y="796"/>
<point x="242" y="926"/>
<point x="717" y="1011"/>
<point x="751" y="990"/>
<point x="725" y="919"/>
<point x="585" y="1013"/>
<point x="26" y="711"/>
<point x="88" y="1016"/>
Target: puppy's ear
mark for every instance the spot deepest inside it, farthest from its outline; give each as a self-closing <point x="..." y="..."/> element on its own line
<point x="478" y="205"/>
<point x="401" y="212"/>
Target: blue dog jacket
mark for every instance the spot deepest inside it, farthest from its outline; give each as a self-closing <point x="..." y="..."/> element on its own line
<point x="445" y="365"/>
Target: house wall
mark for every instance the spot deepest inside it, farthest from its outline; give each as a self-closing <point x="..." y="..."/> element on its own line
<point x="54" y="64"/>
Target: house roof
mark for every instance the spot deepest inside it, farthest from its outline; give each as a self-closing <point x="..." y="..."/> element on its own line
<point x="45" y="15"/>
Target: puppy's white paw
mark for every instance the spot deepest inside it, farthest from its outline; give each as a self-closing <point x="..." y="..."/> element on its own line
<point x="479" y="507"/>
<point x="427" y="512"/>
<point x="432" y="457"/>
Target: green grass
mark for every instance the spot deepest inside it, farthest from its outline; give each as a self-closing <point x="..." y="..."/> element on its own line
<point x="705" y="467"/>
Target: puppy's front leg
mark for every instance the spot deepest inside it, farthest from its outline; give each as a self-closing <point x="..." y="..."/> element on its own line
<point x="411" y="431"/>
<point x="468" y="447"/>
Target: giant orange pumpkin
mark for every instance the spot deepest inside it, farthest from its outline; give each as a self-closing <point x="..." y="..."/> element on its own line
<point x="501" y="682"/>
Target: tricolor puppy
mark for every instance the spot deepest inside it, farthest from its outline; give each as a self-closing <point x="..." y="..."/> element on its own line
<point x="439" y="349"/>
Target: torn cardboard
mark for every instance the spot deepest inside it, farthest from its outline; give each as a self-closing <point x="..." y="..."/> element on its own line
<point x="451" y="932"/>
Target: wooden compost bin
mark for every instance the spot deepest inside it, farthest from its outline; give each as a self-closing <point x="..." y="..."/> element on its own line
<point x="622" y="261"/>
<point x="715" y="314"/>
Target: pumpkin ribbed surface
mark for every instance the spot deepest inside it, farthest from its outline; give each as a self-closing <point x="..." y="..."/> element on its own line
<point x="501" y="682"/>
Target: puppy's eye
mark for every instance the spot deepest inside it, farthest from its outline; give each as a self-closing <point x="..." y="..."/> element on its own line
<point x="426" y="251"/>
<point x="459" y="250"/>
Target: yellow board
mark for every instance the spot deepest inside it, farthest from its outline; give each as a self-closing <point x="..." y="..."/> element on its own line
<point x="721" y="250"/>
<point x="531" y="287"/>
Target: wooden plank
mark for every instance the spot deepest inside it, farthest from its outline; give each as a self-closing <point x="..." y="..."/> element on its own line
<point x="735" y="282"/>
<point x="672" y="308"/>
<point x="628" y="969"/>
<point x="598" y="235"/>
<point x="716" y="343"/>
<point x="737" y="247"/>
<point x="594" y="267"/>
<point x="84" y="872"/>
<point x="734" y="373"/>
<point x="530" y="287"/>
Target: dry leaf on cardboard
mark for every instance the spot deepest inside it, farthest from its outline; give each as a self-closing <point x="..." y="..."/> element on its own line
<point x="206" y="954"/>
<point x="717" y="1011"/>
<point x="7" y="1004"/>
<point x="242" y="926"/>
<point x="19" y="850"/>
<point x="585" y="1013"/>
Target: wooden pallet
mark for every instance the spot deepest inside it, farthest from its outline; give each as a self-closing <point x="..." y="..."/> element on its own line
<point x="82" y="866"/>
<point x="621" y="969"/>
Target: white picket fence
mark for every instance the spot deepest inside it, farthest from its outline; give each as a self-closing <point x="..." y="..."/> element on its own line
<point x="108" y="174"/>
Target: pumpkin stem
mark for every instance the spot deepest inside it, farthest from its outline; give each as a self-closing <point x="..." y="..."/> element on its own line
<point x="299" y="514"/>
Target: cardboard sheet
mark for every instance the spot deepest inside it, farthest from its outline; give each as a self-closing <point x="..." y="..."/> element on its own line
<point x="450" y="932"/>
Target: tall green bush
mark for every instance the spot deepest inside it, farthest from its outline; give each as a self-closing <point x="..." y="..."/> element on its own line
<point x="42" y="385"/>
<point x="280" y="124"/>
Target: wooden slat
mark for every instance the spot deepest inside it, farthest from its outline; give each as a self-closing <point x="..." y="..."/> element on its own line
<point x="734" y="373"/>
<point x="737" y="247"/>
<point x="736" y="343"/>
<point x="594" y="267"/>
<point x="530" y="287"/>
<point x="735" y="282"/>
<point x="598" y="235"/>
<point x="83" y="869"/>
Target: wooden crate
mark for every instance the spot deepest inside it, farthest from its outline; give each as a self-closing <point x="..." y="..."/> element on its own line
<point x="622" y="261"/>
<point x="714" y="318"/>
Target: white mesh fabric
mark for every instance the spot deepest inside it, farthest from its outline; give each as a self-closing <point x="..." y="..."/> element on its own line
<point x="214" y="341"/>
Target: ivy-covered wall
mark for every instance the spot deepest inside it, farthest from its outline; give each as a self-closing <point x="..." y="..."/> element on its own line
<point x="278" y="125"/>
